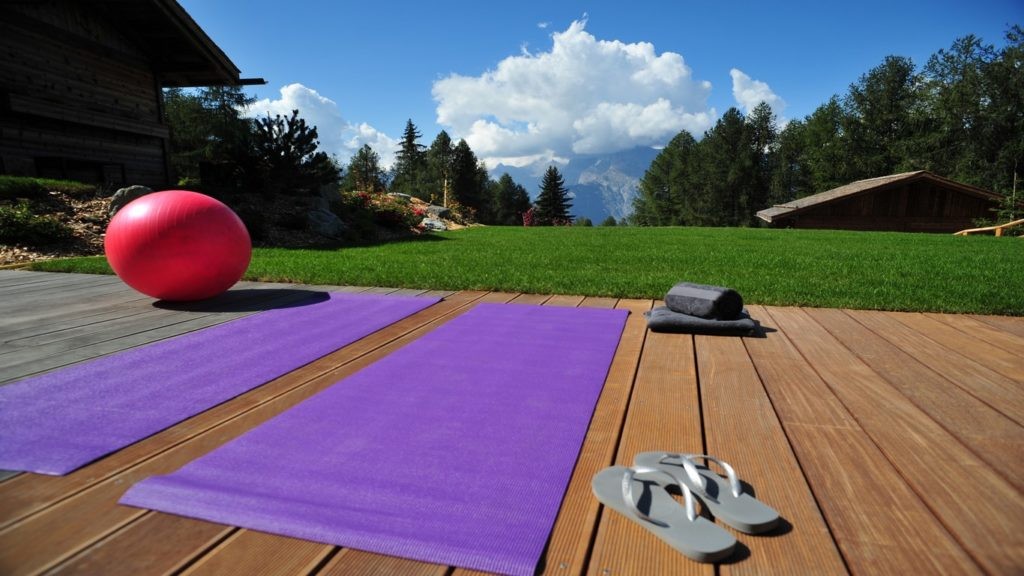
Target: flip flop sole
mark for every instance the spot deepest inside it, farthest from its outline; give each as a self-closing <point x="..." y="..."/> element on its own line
<point x="699" y="539"/>
<point x="746" y="513"/>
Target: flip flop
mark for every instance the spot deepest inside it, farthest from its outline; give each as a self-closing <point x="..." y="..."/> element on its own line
<point x="639" y="493"/>
<point x="724" y="497"/>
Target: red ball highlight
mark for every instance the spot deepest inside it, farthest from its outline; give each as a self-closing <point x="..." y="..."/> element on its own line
<point x="178" y="245"/>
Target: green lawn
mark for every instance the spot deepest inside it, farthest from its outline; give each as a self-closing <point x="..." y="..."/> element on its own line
<point x="887" y="271"/>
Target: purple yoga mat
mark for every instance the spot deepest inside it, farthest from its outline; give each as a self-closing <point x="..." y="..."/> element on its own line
<point x="456" y="449"/>
<point x="57" y="422"/>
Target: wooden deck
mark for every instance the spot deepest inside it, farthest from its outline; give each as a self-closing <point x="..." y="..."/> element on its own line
<point x="891" y="443"/>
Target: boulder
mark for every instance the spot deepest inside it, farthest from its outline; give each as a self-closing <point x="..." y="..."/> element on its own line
<point x="433" y="224"/>
<point x="438" y="211"/>
<point x="325" y="223"/>
<point x="126" y="195"/>
<point x="400" y="196"/>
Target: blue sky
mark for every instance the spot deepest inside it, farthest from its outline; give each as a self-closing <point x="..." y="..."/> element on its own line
<point x="535" y="81"/>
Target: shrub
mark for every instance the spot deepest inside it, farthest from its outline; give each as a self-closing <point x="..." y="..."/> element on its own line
<point x="12" y="187"/>
<point x="19" y="225"/>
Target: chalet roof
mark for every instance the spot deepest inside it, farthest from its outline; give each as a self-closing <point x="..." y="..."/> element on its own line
<point x="866" y="186"/>
<point x="180" y="51"/>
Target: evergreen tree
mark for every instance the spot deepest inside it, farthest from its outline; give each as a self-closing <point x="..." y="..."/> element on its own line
<point x="206" y="125"/>
<point x="364" y="173"/>
<point x="826" y="149"/>
<point x="410" y="163"/>
<point x="879" y="112"/>
<point x="609" y="221"/>
<point x="439" y="169"/>
<point x="662" y="198"/>
<point x="1001" y="141"/>
<point x="510" y="201"/>
<point x="552" y="206"/>
<point x="728" y="174"/>
<point x="764" y="136"/>
<point x="468" y="181"/>
<point x="286" y="150"/>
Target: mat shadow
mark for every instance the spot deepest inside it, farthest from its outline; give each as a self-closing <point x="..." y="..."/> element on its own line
<point x="249" y="300"/>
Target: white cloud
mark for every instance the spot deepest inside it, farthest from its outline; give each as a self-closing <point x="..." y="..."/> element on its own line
<point x="337" y="136"/>
<point x="543" y="25"/>
<point x="583" y="96"/>
<point x="749" y="93"/>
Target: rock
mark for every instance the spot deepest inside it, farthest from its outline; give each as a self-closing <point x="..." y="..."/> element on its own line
<point x="325" y="223"/>
<point x="438" y="211"/>
<point x="321" y="204"/>
<point x="433" y="224"/>
<point x="126" y="195"/>
<point x="403" y="197"/>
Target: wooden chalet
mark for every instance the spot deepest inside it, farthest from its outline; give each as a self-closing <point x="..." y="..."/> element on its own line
<point x="909" y="202"/>
<point x="81" y="81"/>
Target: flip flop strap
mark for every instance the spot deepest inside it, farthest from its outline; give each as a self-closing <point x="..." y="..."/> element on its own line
<point x="690" y="467"/>
<point x="627" y="494"/>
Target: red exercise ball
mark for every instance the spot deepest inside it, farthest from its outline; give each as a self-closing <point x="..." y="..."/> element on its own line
<point x="178" y="245"/>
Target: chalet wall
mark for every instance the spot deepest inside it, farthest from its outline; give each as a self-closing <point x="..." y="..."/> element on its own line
<point x="918" y="206"/>
<point x="76" y="99"/>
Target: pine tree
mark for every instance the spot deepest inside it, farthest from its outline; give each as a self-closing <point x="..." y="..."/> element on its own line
<point x="286" y="150"/>
<point x="410" y="163"/>
<point x="439" y="168"/>
<point x="510" y="201"/>
<point x="552" y="206"/>
<point x="364" y="173"/>
<point x="468" y="181"/>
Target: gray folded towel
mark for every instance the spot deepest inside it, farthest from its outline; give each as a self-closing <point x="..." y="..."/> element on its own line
<point x="661" y="319"/>
<point x="705" y="301"/>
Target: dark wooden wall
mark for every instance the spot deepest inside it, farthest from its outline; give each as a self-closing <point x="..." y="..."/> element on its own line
<point x="77" y="100"/>
<point x="917" y="206"/>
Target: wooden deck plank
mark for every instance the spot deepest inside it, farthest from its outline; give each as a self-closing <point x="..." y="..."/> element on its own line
<point x="1010" y="324"/>
<point x="30" y="494"/>
<point x="251" y="552"/>
<point x="1008" y="341"/>
<point x="977" y="506"/>
<point x="563" y="300"/>
<point x="168" y="542"/>
<point x="663" y="414"/>
<point x="1009" y="364"/>
<point x="28" y="361"/>
<point x="879" y="523"/>
<point x="992" y="388"/>
<point x="987" y="432"/>
<point x="535" y="299"/>
<point x="348" y="562"/>
<point x="56" y="342"/>
<point x="741" y="427"/>
<point x="573" y="531"/>
<point x="25" y="277"/>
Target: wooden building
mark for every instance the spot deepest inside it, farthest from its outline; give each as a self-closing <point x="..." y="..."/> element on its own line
<point x="910" y="202"/>
<point x="81" y="81"/>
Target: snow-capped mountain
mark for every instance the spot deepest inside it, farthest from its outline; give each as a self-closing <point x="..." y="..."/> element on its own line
<point x="601" y="185"/>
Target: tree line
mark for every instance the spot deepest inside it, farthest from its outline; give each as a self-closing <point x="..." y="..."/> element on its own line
<point x="450" y="174"/>
<point x="960" y="116"/>
<point x="215" y="147"/>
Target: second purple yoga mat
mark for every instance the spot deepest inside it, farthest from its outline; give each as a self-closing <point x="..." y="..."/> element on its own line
<point x="456" y="449"/>
<point x="62" y="420"/>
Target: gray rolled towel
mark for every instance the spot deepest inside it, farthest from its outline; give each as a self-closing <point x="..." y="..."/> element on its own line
<point x="661" y="319"/>
<point x="705" y="301"/>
